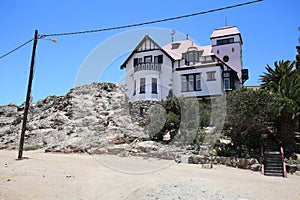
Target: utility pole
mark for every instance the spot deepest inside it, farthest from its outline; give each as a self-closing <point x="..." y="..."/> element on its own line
<point x="35" y="41"/>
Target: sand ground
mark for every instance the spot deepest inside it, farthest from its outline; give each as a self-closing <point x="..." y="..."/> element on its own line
<point x="75" y="176"/>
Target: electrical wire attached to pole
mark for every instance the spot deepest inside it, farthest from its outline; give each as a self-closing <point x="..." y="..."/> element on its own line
<point x="37" y="37"/>
<point x="132" y="25"/>
<point x="15" y="49"/>
<point x="152" y="22"/>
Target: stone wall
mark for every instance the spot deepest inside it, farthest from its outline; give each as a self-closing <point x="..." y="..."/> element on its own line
<point x="243" y="163"/>
<point x="140" y="110"/>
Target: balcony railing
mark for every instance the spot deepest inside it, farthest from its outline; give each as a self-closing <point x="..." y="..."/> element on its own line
<point x="148" y="66"/>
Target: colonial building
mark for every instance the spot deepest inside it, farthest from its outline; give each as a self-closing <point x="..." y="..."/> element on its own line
<point x="185" y="68"/>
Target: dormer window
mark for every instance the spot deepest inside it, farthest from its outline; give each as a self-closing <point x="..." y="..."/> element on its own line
<point x="192" y="56"/>
<point x="175" y="45"/>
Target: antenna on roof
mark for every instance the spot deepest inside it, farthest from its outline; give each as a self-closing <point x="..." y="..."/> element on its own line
<point x="172" y="35"/>
<point x="226" y="22"/>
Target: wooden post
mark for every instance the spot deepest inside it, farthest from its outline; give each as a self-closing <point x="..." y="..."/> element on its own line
<point x="35" y="41"/>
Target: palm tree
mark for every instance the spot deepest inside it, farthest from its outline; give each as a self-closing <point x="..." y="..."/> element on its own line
<point x="284" y="81"/>
<point x="289" y="109"/>
<point x="289" y="87"/>
<point x="298" y="57"/>
<point x="271" y="79"/>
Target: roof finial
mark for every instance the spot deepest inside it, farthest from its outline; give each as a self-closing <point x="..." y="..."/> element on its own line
<point x="187" y="36"/>
<point x="172" y="35"/>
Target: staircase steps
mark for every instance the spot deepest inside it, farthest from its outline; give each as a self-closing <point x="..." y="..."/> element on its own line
<point x="273" y="165"/>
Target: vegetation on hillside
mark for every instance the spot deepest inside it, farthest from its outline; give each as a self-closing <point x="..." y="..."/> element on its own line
<point x="248" y="112"/>
<point x="283" y="82"/>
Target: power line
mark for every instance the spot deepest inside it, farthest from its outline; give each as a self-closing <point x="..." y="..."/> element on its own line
<point x="132" y="25"/>
<point x="15" y="49"/>
<point x="152" y="22"/>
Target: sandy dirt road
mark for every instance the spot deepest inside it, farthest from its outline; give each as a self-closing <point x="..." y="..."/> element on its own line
<point x="74" y="176"/>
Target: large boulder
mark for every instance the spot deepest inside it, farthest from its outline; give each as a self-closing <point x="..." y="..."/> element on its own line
<point x="242" y="163"/>
<point x="255" y="167"/>
<point x="147" y="146"/>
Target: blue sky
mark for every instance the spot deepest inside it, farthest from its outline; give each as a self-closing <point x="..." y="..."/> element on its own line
<point x="269" y="31"/>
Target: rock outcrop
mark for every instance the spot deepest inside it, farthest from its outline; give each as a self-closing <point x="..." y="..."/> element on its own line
<point x="86" y="119"/>
<point x="95" y="119"/>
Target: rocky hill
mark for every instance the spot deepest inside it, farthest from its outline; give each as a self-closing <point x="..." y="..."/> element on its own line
<point x="87" y="119"/>
<point x="91" y="119"/>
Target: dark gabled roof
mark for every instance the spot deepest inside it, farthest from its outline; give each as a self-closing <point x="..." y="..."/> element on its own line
<point x="232" y="70"/>
<point x="219" y="63"/>
<point x="147" y="37"/>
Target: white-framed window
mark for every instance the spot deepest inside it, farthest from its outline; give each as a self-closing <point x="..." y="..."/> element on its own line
<point x="225" y="41"/>
<point x="183" y="84"/>
<point x="198" y="82"/>
<point x="158" y="59"/>
<point x="142" y="85"/>
<point x="190" y="82"/>
<point x="154" y="85"/>
<point x="192" y="56"/>
<point x="134" y="88"/>
<point x="148" y="59"/>
<point x="227" y="84"/>
<point x="211" y="76"/>
<point x="226" y="80"/>
<point x="137" y="61"/>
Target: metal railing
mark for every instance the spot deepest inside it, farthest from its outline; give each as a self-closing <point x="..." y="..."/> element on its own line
<point x="148" y="66"/>
<point x="282" y="157"/>
<point x="283" y="163"/>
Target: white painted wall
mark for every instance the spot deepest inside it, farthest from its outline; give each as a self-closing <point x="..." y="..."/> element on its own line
<point x="207" y="87"/>
<point x="235" y="57"/>
<point x="168" y="79"/>
<point x="164" y="78"/>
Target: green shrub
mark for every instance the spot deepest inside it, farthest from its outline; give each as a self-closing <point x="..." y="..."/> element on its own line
<point x="32" y="148"/>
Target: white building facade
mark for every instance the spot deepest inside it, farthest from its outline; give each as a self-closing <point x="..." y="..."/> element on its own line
<point x="185" y="68"/>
